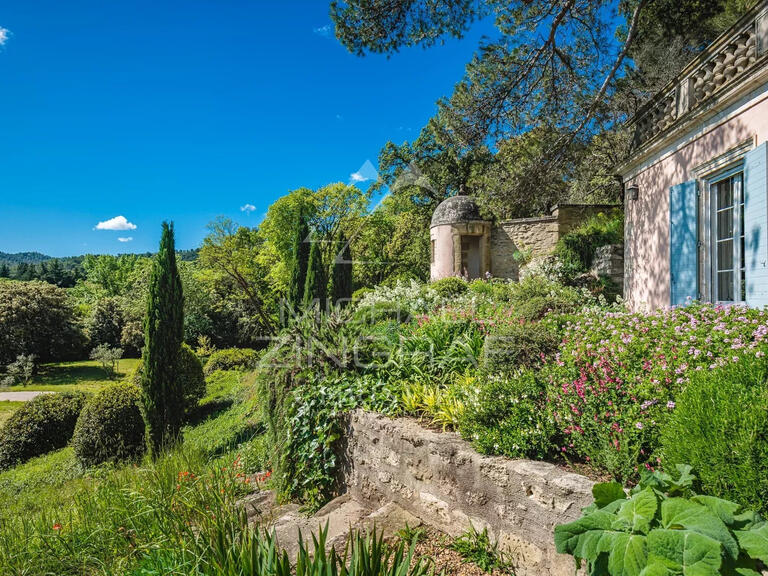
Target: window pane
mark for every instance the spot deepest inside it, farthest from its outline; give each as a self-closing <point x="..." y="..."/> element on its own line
<point x="743" y="286"/>
<point x="725" y="286"/>
<point x="724" y="194"/>
<point x="725" y="224"/>
<point x="725" y="255"/>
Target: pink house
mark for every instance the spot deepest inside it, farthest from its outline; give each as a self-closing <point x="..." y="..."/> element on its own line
<point x="696" y="187"/>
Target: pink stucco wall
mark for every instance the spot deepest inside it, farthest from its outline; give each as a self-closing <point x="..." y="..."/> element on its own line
<point x="647" y="272"/>
<point x="442" y="267"/>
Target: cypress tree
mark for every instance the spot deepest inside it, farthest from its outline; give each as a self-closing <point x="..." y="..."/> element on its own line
<point x="163" y="333"/>
<point x="314" y="287"/>
<point x="342" y="274"/>
<point x="300" y="262"/>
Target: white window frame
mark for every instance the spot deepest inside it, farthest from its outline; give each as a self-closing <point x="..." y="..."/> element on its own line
<point x="711" y="231"/>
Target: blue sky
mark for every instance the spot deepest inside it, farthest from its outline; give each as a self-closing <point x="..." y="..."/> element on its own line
<point x="166" y="109"/>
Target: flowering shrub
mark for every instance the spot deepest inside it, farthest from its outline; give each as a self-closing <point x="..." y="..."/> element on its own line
<point x="412" y="297"/>
<point x="618" y="374"/>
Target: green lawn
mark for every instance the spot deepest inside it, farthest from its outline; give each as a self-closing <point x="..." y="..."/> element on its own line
<point x="84" y="376"/>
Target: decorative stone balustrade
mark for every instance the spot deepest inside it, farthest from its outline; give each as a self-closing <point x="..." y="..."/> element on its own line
<point x="728" y="60"/>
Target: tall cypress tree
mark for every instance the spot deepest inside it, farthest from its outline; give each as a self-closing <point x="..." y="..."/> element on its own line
<point x="163" y="334"/>
<point x="342" y="274"/>
<point x="315" y="286"/>
<point x="300" y="262"/>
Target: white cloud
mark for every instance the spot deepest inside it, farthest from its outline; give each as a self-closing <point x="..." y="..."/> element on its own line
<point x="126" y="239"/>
<point x="247" y="208"/>
<point x="324" y="31"/>
<point x="116" y="223"/>
<point x="5" y="34"/>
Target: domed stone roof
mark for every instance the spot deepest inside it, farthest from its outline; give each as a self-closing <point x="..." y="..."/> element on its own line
<point x="455" y="210"/>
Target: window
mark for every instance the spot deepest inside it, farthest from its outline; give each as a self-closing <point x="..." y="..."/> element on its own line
<point x="727" y="226"/>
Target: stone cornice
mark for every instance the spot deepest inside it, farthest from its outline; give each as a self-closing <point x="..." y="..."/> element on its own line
<point x="726" y="70"/>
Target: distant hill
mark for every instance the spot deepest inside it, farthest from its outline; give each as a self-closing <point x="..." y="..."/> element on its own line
<point x="26" y="257"/>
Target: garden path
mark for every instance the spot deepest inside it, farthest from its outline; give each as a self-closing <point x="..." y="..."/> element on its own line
<point x="20" y="396"/>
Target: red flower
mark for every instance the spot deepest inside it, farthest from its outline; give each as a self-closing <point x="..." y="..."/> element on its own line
<point x="57" y="526"/>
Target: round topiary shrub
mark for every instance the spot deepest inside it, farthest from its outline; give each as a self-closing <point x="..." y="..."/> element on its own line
<point x="231" y="359"/>
<point x="40" y="426"/>
<point x="111" y="427"/>
<point x="719" y="425"/>
<point x="189" y="372"/>
<point x="449" y="287"/>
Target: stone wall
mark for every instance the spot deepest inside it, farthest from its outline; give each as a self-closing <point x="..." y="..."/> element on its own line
<point x="439" y="478"/>
<point x="609" y="263"/>
<point x="535" y="235"/>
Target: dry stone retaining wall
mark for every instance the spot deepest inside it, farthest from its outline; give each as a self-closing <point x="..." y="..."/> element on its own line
<point x="439" y="478"/>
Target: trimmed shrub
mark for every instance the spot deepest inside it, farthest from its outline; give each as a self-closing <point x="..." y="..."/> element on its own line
<point x="508" y="416"/>
<point x="231" y="359"/>
<point x="720" y="426"/>
<point x="534" y="297"/>
<point x="510" y="347"/>
<point x="43" y="424"/>
<point x="449" y="287"/>
<point x="189" y="371"/>
<point x="110" y="427"/>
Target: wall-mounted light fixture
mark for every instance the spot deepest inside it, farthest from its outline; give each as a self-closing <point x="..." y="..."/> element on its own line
<point x="633" y="192"/>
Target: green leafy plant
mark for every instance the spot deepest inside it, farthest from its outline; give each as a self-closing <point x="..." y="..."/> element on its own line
<point x="231" y="359"/>
<point x="663" y="528"/>
<point x="576" y="249"/>
<point x="43" y="424"/>
<point x="720" y="426"/>
<point x="476" y="547"/>
<point x="507" y="415"/>
<point x="449" y="287"/>
<point x="110" y="427"/>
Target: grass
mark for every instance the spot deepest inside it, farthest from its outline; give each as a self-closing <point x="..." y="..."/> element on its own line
<point x="477" y="548"/>
<point x="7" y="408"/>
<point x="57" y="518"/>
<point x="83" y="376"/>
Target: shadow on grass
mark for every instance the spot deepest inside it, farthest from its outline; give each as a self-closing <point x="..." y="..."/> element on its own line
<point x="61" y="375"/>
<point x="208" y="410"/>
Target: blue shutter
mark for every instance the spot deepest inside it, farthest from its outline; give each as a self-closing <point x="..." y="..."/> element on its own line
<point x="756" y="226"/>
<point x="683" y="257"/>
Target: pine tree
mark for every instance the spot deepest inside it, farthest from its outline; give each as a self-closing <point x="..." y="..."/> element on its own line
<point x="300" y="263"/>
<point x="342" y="274"/>
<point x="5" y="271"/>
<point x="315" y="285"/>
<point x="163" y="333"/>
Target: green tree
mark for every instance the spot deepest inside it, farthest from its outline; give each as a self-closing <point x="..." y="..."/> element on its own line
<point x="105" y="324"/>
<point x="232" y="254"/>
<point x="163" y="336"/>
<point x="315" y="287"/>
<point x="5" y="271"/>
<point x="300" y="262"/>
<point x="109" y="272"/>
<point x="342" y="274"/>
<point x="37" y="318"/>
